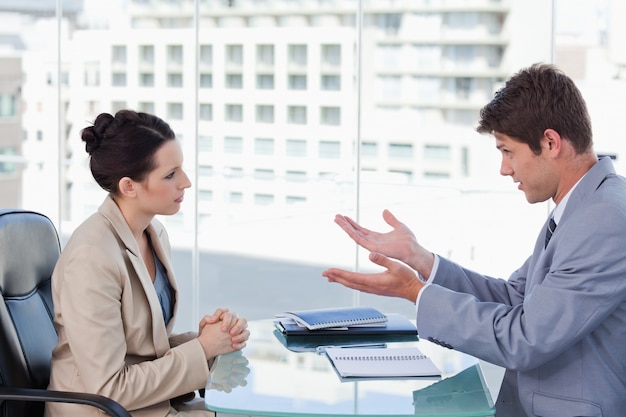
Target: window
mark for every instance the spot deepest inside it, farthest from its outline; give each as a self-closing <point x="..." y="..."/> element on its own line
<point x="146" y="79"/>
<point x="298" y="55"/>
<point x="234" y="113"/>
<point x="330" y="149"/>
<point x="290" y="199"/>
<point x="263" y="199"/>
<point x="297" y="82"/>
<point x="205" y="143"/>
<point x="437" y="152"/>
<point x="205" y="170"/>
<point x="297" y="115"/>
<point x="331" y="55"/>
<point x="175" y="54"/>
<point x="296" y="147"/>
<point x="118" y="79"/>
<point x="118" y="54"/>
<point x="146" y="106"/>
<point x="7" y="105"/>
<point x="174" y="79"/>
<point x="330" y="82"/>
<point x="265" y="114"/>
<point x="263" y="146"/>
<point x="234" y="81"/>
<point x="295" y="176"/>
<point x="234" y="55"/>
<point x="265" y="81"/>
<point x="206" y="80"/>
<point x="369" y="149"/>
<point x="264" y="174"/>
<point x="8" y="160"/>
<point x="400" y="150"/>
<point x="330" y="116"/>
<point x="233" y="144"/>
<point x="175" y="111"/>
<point x="205" y="112"/>
<point x="235" y="197"/>
<point x="146" y="54"/>
<point x="92" y="74"/>
<point x="265" y="55"/>
<point x="205" y="195"/>
<point x="206" y="55"/>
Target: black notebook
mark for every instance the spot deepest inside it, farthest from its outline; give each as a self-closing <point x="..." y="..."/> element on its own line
<point x="336" y="317"/>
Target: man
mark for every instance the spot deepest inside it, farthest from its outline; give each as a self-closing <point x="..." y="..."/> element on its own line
<point x="558" y="324"/>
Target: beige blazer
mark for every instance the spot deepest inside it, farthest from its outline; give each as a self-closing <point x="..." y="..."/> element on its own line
<point x="112" y="337"/>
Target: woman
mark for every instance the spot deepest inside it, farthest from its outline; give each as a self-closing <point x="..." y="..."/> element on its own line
<point x="113" y="288"/>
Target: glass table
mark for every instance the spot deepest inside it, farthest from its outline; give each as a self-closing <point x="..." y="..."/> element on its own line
<point x="273" y="376"/>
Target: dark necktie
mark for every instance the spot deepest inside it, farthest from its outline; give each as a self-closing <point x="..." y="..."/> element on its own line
<point x="549" y="231"/>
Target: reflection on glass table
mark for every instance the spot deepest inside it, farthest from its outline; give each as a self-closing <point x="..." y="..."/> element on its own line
<point x="267" y="379"/>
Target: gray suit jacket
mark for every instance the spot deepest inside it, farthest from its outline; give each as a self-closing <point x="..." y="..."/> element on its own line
<point x="558" y="324"/>
<point x="112" y="336"/>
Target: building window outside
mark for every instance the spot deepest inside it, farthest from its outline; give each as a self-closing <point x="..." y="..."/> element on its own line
<point x="297" y="82"/>
<point x="175" y="79"/>
<point x="234" y="113"/>
<point x="265" y="81"/>
<point x="265" y="114"/>
<point x="369" y="149"/>
<point x="296" y="115"/>
<point x="205" y="170"/>
<point x="118" y="54"/>
<point x="263" y="199"/>
<point x="330" y="149"/>
<point x="205" y="143"/>
<point x="205" y="112"/>
<point x="265" y="55"/>
<point x="233" y="172"/>
<point x="295" y="148"/>
<point x="146" y="54"/>
<point x="234" y="55"/>
<point x="295" y="176"/>
<point x="331" y="55"/>
<point x="264" y="174"/>
<point x="437" y="153"/>
<point x="330" y="82"/>
<point x="7" y="160"/>
<point x="92" y="74"/>
<point x="205" y="195"/>
<point x="118" y="79"/>
<point x="291" y="199"/>
<point x="263" y="146"/>
<point x="117" y="106"/>
<point x="297" y="55"/>
<point x="146" y="79"/>
<point x="234" y="81"/>
<point x="235" y="197"/>
<point x="7" y="105"/>
<point x="146" y="106"/>
<point x="400" y="150"/>
<point x="175" y="54"/>
<point x="206" y="55"/>
<point x="206" y="80"/>
<point x="330" y="116"/>
<point x="175" y="111"/>
<point x="233" y="145"/>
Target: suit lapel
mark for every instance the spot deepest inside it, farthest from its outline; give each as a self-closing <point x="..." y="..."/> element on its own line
<point x="159" y="333"/>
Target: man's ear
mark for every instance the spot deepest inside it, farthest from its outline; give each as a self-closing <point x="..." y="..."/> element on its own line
<point x="127" y="187"/>
<point x="552" y="141"/>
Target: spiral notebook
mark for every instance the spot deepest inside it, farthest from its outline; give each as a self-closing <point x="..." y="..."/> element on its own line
<point x="381" y="363"/>
<point x="336" y="317"/>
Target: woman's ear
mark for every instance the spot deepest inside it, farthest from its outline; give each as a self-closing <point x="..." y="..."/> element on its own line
<point x="127" y="187"/>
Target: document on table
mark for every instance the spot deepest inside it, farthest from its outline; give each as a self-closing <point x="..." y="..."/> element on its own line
<point x="381" y="363"/>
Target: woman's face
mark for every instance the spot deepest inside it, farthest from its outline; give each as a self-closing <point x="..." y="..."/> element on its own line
<point x="163" y="189"/>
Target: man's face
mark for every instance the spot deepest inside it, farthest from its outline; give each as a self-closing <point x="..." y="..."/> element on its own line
<point x="533" y="173"/>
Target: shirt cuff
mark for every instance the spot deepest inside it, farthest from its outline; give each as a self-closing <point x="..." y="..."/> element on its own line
<point x="428" y="281"/>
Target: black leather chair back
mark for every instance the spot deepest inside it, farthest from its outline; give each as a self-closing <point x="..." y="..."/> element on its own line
<point x="29" y="249"/>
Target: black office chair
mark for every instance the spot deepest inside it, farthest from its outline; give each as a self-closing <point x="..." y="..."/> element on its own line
<point x="29" y="249"/>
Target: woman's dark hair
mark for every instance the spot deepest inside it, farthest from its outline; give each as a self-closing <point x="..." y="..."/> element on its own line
<point x="124" y="146"/>
<point x="535" y="99"/>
